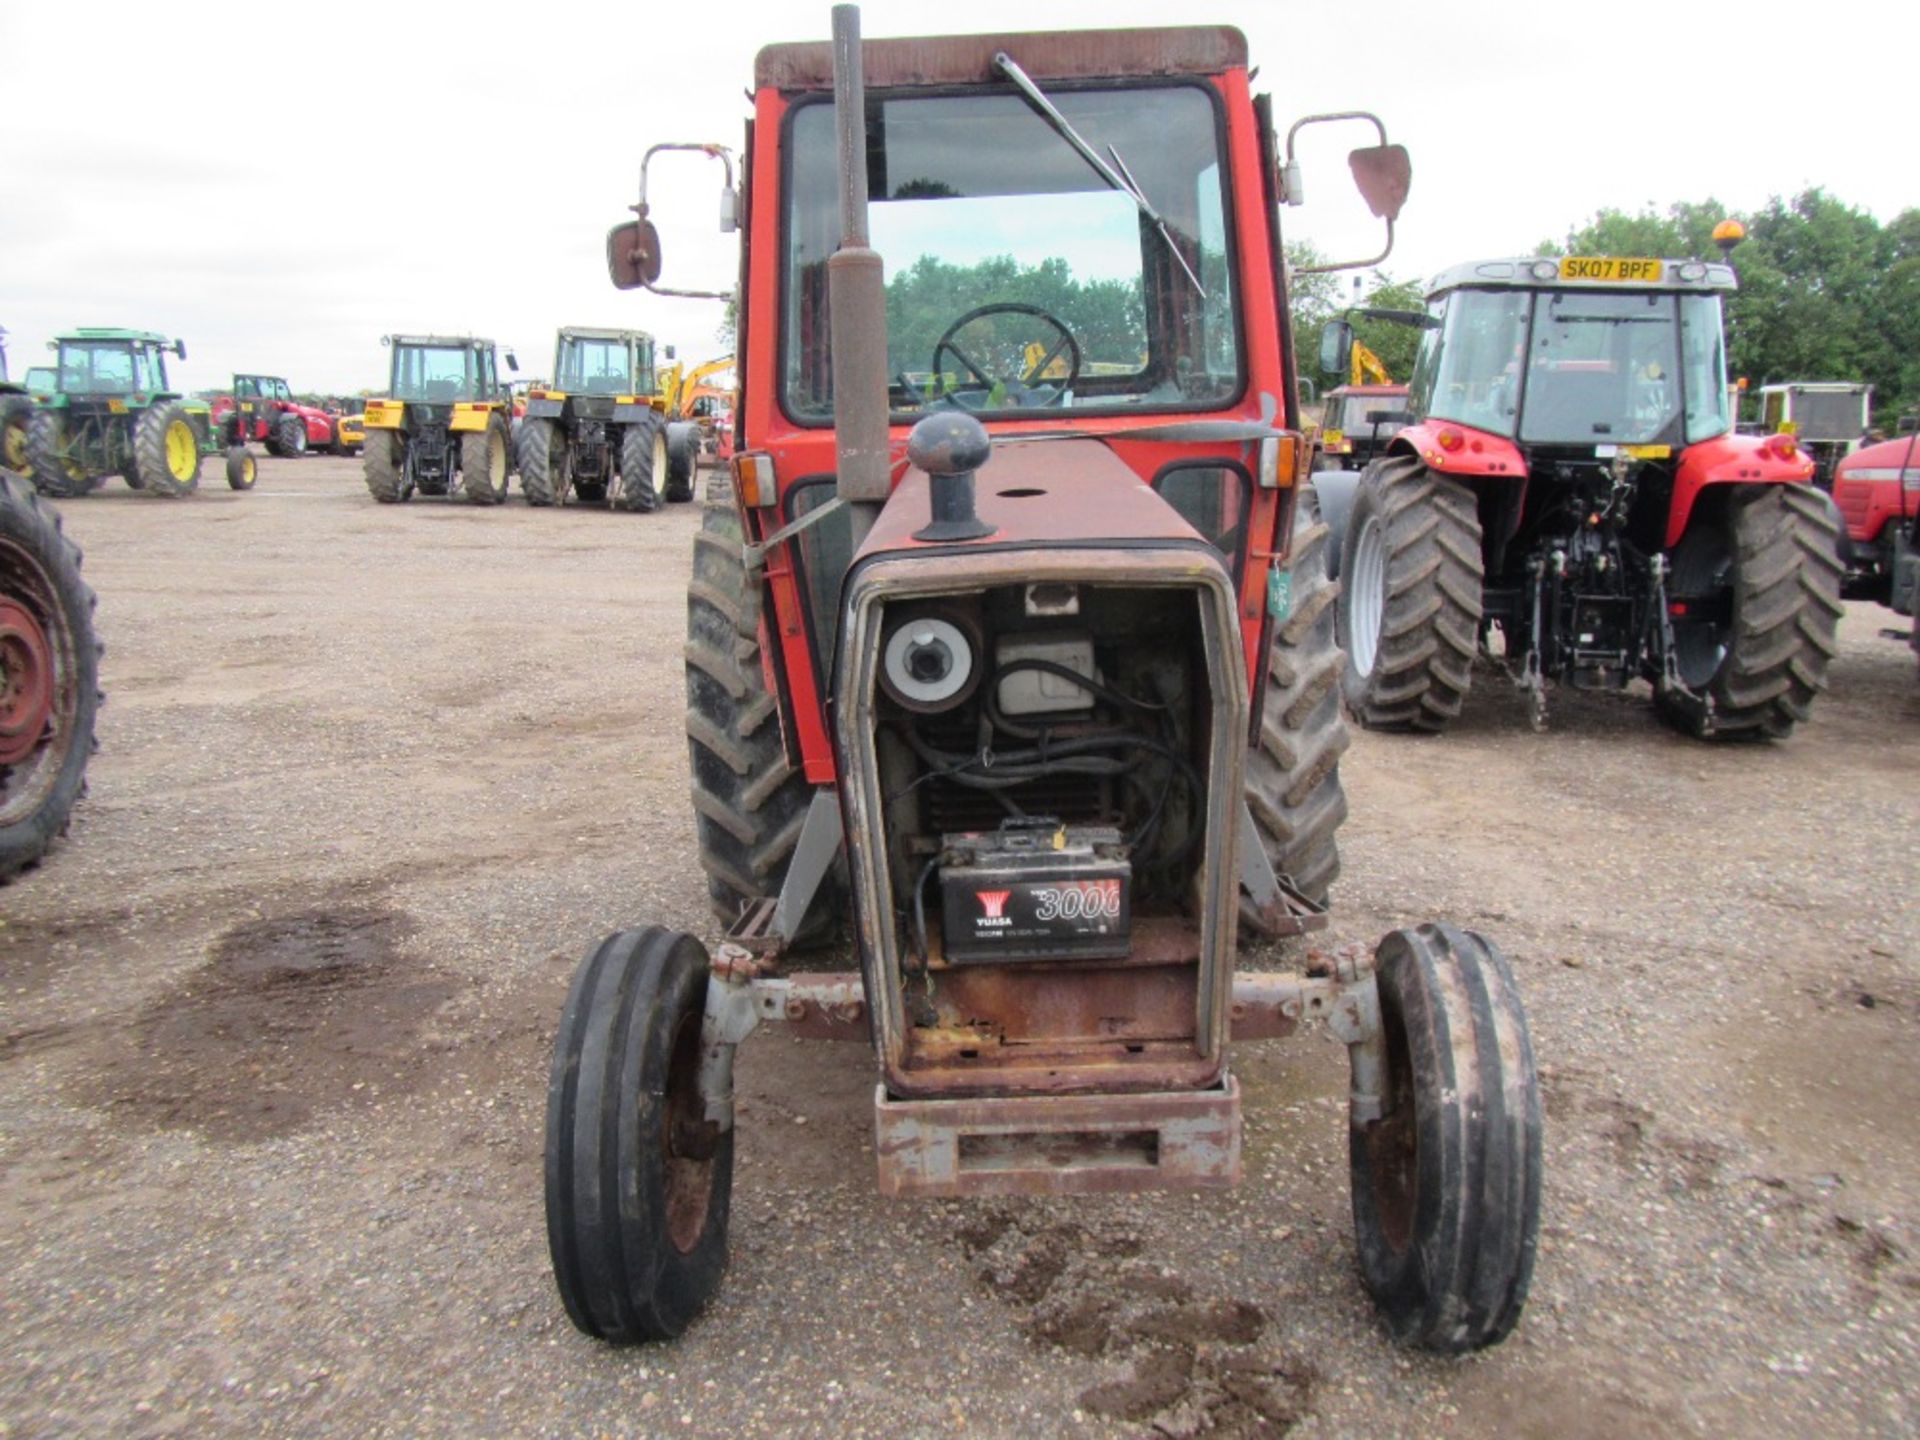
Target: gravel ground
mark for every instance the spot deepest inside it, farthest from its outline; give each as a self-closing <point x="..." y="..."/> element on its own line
<point x="274" y="1027"/>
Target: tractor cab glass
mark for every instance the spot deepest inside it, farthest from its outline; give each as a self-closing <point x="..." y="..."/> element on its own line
<point x="98" y="368"/>
<point x="592" y="367"/>
<point x="433" y="373"/>
<point x="1017" y="278"/>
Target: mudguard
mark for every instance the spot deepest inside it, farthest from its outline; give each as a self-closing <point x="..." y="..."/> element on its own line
<point x="1730" y="460"/>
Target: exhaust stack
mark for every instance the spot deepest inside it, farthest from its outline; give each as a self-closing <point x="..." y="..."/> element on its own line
<point x="856" y="295"/>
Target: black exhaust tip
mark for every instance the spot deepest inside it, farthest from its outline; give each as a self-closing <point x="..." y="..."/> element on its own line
<point x="950" y="447"/>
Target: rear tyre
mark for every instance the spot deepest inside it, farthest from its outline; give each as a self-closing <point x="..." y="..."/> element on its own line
<point x="54" y="471"/>
<point x="166" y="451"/>
<point x="1446" y="1183"/>
<point x="1293" y="771"/>
<point x="483" y="464"/>
<point x="643" y="466"/>
<point x="683" y="457"/>
<point x="535" y="455"/>
<point x="749" y="802"/>
<point x="49" y="677"/>
<point x="242" y="468"/>
<point x="1757" y="653"/>
<point x="381" y="465"/>
<point x="1410" y="604"/>
<point x="293" y="436"/>
<point x="638" y="1184"/>
<point x="15" y="413"/>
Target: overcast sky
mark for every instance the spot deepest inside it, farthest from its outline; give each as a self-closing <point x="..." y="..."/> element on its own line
<point x="281" y="186"/>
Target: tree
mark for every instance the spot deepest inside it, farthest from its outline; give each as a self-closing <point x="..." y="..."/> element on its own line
<point x="1327" y="295"/>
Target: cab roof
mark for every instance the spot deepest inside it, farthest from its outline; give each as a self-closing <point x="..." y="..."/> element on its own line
<point x="1049" y="55"/>
<point x="594" y="332"/>
<point x="459" y="342"/>
<point x="111" y="332"/>
<point x="1544" y="272"/>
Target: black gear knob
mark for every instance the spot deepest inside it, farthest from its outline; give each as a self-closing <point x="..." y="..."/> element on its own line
<point x="950" y="447"/>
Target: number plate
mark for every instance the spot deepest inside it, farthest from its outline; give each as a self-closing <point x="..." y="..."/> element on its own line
<point x="1612" y="268"/>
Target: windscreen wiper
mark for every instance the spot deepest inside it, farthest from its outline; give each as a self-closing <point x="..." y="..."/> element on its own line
<point x="1117" y="174"/>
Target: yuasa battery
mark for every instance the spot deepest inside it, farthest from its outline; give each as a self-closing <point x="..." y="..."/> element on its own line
<point x="1035" y="892"/>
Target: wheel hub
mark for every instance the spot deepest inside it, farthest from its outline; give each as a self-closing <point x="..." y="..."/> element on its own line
<point x="26" y="682"/>
<point x="1368" y="605"/>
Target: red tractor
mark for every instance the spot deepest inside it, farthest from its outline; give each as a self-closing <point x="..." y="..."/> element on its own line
<point x="1877" y="491"/>
<point x="1570" y="496"/>
<point x="262" y="410"/>
<point x="1022" y="661"/>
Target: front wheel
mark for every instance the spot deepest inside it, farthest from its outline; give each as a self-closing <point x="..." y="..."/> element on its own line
<point x="293" y="436"/>
<point x="1755" y="597"/>
<point x="1446" y="1182"/>
<point x="1410" y="596"/>
<point x="242" y="468"/>
<point x="483" y="465"/>
<point x="638" y="1182"/>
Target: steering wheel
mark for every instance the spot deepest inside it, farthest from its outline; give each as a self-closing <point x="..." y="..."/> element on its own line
<point x="1032" y="389"/>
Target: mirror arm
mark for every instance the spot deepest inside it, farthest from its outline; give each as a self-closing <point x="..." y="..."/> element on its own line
<point x="1348" y="264"/>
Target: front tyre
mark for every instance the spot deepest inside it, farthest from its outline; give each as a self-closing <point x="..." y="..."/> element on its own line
<point x="483" y="464"/>
<point x="1293" y="771"/>
<point x="242" y="468"/>
<point x="1758" y="582"/>
<point x="1446" y="1183"/>
<point x="638" y="1183"/>
<point x="166" y="451"/>
<point x="293" y="436"/>
<point x="1410" y="596"/>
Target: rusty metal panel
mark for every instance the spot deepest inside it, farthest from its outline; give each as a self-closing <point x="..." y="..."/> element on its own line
<point x="1058" y="1145"/>
<point x="1051" y="55"/>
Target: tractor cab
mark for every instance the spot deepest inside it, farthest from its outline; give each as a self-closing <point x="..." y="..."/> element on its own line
<point x="96" y="364"/>
<point x="603" y="362"/>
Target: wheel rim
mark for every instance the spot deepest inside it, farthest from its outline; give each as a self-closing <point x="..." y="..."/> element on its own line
<point x="26" y="682"/>
<point x="16" y="447"/>
<point x="181" y="450"/>
<point x="496" y="460"/>
<point x="686" y="1142"/>
<point x="1367" y="596"/>
<point x="1392" y="1141"/>
<point x="660" y="463"/>
<point x="1701" y="638"/>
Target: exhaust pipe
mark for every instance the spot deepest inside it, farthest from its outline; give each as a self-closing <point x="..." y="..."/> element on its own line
<point x="856" y="298"/>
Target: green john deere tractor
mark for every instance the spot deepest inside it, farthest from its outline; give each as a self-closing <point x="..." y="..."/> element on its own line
<point x="112" y="412"/>
<point x="598" y="429"/>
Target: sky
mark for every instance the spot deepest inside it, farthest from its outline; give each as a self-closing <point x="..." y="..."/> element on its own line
<point x="280" y="188"/>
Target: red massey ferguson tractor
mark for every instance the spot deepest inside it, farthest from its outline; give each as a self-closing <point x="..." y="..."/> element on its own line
<point x="1570" y="480"/>
<point x="1022" y="659"/>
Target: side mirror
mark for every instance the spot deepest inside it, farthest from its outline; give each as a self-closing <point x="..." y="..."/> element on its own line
<point x="512" y="362"/>
<point x="633" y="255"/>
<point x="180" y="348"/>
<point x="729" y="210"/>
<point x="1336" y="347"/>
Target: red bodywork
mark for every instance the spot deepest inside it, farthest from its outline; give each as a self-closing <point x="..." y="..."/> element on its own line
<point x="1455" y="449"/>
<point x="800" y="452"/>
<point x="1877" y="484"/>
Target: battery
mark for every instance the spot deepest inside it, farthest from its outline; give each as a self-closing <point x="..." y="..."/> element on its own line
<point x="1035" y="892"/>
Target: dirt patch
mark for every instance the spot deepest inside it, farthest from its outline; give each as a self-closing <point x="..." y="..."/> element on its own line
<point x="292" y="1015"/>
<point x="1193" y="1362"/>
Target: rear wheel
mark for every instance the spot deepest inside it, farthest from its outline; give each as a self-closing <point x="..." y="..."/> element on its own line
<point x="683" y="456"/>
<point x="1759" y="577"/>
<point x="1446" y="1183"/>
<point x="15" y="413"/>
<point x="166" y="451"/>
<point x="638" y="1183"/>
<point x="1293" y="772"/>
<point x="643" y="465"/>
<point x="54" y="469"/>
<point x="49" y="677"/>
<point x="382" y="465"/>
<point x="483" y="464"/>
<point x="749" y="802"/>
<point x="535" y="453"/>
<point x="242" y="468"/>
<point x="1410" y="602"/>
